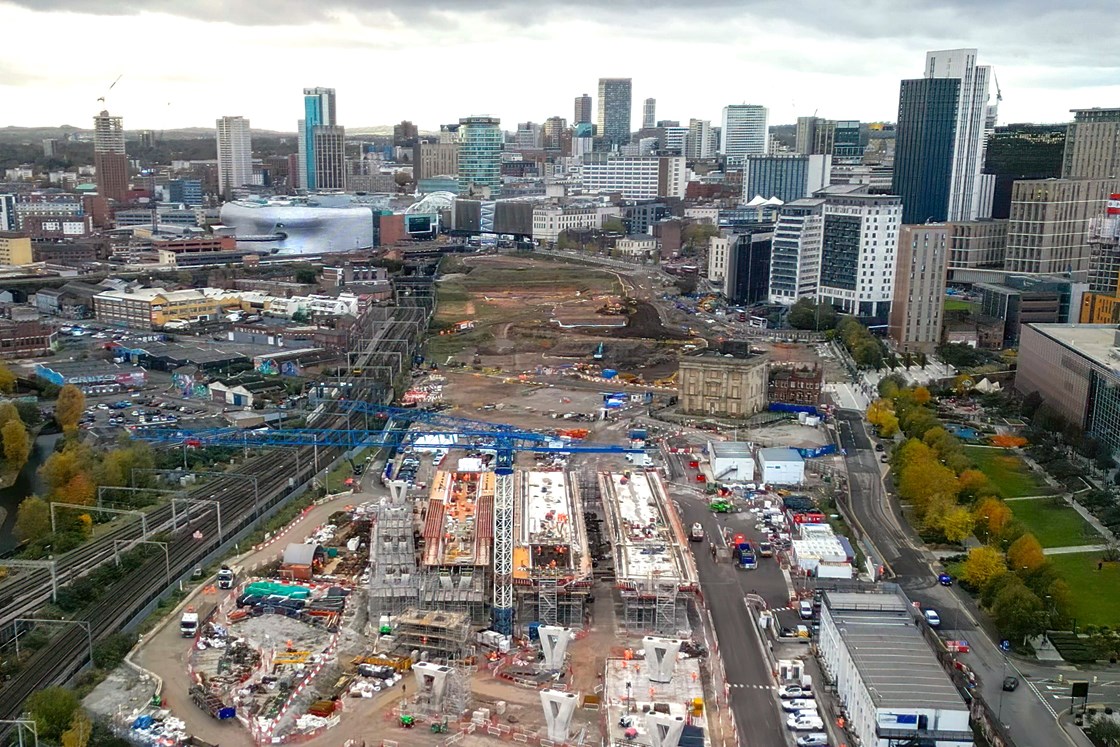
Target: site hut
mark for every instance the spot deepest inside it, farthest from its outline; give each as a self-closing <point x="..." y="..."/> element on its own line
<point x="732" y="461"/>
<point x="551" y="562"/>
<point x="655" y="572"/>
<point x="301" y="561"/>
<point x="457" y="536"/>
<point x="887" y="677"/>
<point x="781" y="466"/>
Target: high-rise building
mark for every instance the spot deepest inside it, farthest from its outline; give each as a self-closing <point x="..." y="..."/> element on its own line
<point x="613" y="117"/>
<point x="699" y="143"/>
<point x="552" y="133"/>
<point x="318" y="111"/>
<point x="1047" y="232"/>
<point x="435" y="159"/>
<point x="405" y="134"/>
<point x="649" y="114"/>
<point x="1092" y="149"/>
<point x="795" y="263"/>
<point x="787" y="177"/>
<point x="8" y="220"/>
<point x="582" y="113"/>
<point x="1104" y="250"/>
<point x="743" y="132"/>
<point x="185" y="192"/>
<point x="528" y="136"/>
<point x="235" y="155"/>
<point x="940" y="139"/>
<point x="748" y="267"/>
<point x="846" y="141"/>
<point x="814" y="136"/>
<point x="1023" y="151"/>
<point x="976" y="249"/>
<point x="329" y="143"/>
<point x="858" y="250"/>
<point x="480" y="156"/>
<point x="109" y="159"/>
<point x="919" y="287"/>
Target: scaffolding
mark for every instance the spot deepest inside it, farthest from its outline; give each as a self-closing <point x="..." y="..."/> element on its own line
<point x="437" y="635"/>
<point x="460" y="590"/>
<point x="393" y="585"/>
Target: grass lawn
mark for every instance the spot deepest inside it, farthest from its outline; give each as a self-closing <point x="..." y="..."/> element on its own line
<point x="1054" y="524"/>
<point x="1094" y="601"/>
<point x="1009" y="473"/>
<point x="956" y="304"/>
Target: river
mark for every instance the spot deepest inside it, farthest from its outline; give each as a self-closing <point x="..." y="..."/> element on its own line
<point x="27" y="483"/>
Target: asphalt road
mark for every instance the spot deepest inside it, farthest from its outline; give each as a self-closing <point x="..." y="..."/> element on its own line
<point x="1028" y="712"/>
<point x="753" y="699"/>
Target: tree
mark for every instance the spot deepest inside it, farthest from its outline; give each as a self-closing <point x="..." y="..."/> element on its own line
<point x="957" y="523"/>
<point x="615" y="225"/>
<point x="927" y="482"/>
<point x="921" y="395"/>
<point x="80" y="489"/>
<point x="974" y="484"/>
<point x="1104" y="730"/>
<point x="29" y="413"/>
<point x="993" y="514"/>
<point x="69" y="407"/>
<point x="33" y="519"/>
<point x="17" y="444"/>
<point x="1018" y="611"/>
<point x="1025" y="553"/>
<point x="306" y="275"/>
<point x="7" y="380"/>
<point x="983" y="564"/>
<point x="116" y="466"/>
<point x="8" y="411"/>
<point x="53" y="710"/>
<point x="81" y="728"/>
<point x="695" y="234"/>
<point x="61" y="466"/>
<point x="923" y="360"/>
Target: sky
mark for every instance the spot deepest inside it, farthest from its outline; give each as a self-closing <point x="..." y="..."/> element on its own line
<point x="184" y="63"/>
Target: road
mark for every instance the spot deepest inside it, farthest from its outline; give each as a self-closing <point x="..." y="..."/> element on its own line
<point x="1028" y="712"/>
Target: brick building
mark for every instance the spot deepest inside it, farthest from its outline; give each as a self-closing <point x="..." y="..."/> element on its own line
<point x="796" y="384"/>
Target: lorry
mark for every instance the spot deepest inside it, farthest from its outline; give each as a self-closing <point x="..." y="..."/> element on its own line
<point x="192" y="620"/>
<point x="744" y="556"/>
<point x="210" y="702"/>
<point x="225" y="577"/>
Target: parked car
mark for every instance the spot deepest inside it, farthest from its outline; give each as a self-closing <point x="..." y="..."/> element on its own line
<point x="944" y="579"/>
<point x="800" y="705"/>
<point x="805" y="609"/>
<point x="802" y="722"/>
<point x="816" y="739"/>
<point x="794" y="691"/>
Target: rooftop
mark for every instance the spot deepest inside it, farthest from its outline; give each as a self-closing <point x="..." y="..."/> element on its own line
<point x="458" y="527"/>
<point x="896" y="663"/>
<point x="780" y="454"/>
<point x="649" y="540"/>
<point x="1097" y="342"/>
<point x="729" y="449"/>
<point x="550" y="538"/>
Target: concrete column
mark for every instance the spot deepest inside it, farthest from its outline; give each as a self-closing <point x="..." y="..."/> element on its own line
<point x="664" y="729"/>
<point x="431" y="679"/>
<point x="661" y="657"/>
<point x="554" y="645"/>
<point x="558" y="709"/>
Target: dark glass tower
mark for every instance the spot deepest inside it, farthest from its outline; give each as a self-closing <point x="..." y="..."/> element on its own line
<point x="924" y="137"/>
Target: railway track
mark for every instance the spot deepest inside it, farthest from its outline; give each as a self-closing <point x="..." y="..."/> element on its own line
<point x="276" y="472"/>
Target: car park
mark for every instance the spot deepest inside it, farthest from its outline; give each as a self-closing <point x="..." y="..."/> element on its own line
<point x="816" y="739"/>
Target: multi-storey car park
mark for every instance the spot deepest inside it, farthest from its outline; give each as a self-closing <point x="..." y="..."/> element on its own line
<point x="654" y="571"/>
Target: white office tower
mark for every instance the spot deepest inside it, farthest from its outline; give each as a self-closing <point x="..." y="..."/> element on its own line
<point x="235" y="155"/>
<point x="970" y="141"/>
<point x="743" y="133"/>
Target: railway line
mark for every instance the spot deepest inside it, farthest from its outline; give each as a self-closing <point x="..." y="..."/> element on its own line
<point x="277" y="472"/>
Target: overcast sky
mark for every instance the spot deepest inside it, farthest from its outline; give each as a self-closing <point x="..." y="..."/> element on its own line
<point x="187" y="62"/>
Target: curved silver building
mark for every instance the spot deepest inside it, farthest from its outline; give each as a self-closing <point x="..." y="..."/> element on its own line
<point x="300" y="226"/>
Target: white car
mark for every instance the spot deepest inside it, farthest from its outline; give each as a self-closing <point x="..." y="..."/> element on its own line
<point x="800" y="704"/>
<point x="794" y="691"/>
<point x="798" y="722"/>
<point x="816" y="739"/>
<point x="933" y="618"/>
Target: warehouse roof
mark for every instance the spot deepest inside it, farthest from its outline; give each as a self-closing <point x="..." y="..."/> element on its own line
<point x="780" y="454"/>
<point x="729" y="449"/>
<point x="897" y="665"/>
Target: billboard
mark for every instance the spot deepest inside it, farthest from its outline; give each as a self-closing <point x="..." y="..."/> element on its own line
<point x="419" y="223"/>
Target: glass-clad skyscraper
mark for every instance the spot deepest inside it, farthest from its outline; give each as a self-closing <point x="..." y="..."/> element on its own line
<point x="480" y="156"/>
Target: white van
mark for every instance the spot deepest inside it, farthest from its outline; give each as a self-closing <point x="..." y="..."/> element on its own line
<point x="805" y="609"/>
<point x="933" y="618"/>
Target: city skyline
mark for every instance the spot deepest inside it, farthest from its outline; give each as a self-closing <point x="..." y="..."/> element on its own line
<point x="793" y="60"/>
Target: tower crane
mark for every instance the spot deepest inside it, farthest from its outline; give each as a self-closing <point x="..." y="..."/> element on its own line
<point x="505" y="440"/>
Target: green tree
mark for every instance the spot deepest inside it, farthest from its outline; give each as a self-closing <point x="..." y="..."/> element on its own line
<point x="33" y="519"/>
<point x="922" y="359"/>
<point x="52" y="709"/>
<point x="7" y="380"/>
<point x="698" y="234"/>
<point x="17" y="444"/>
<point x="116" y="466"/>
<point x="1018" y="611"/>
<point x="615" y="225"/>
<point x="306" y="275"/>
<point x="69" y="408"/>
<point x="1104" y="730"/>
<point x="29" y="413"/>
